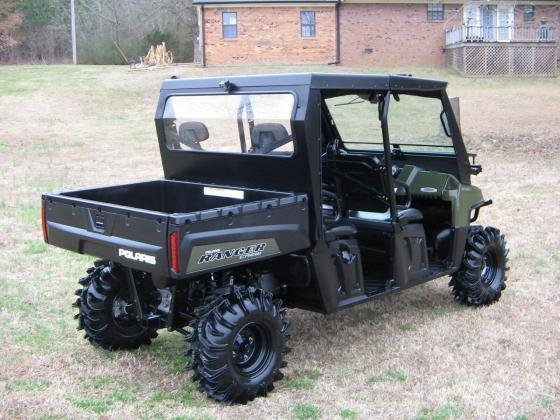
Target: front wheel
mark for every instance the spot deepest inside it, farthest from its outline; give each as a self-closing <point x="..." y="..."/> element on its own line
<point x="482" y="275"/>
<point x="238" y="346"/>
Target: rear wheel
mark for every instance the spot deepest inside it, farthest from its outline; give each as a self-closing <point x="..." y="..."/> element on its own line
<point x="106" y="311"/>
<point x="238" y="346"/>
<point x="482" y="276"/>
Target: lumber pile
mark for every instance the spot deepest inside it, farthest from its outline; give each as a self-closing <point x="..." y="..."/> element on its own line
<point x="157" y="56"/>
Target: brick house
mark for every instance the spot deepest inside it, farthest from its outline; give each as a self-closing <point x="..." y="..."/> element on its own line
<point x="372" y="32"/>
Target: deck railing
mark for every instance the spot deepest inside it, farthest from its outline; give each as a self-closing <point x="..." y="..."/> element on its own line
<point x="500" y="34"/>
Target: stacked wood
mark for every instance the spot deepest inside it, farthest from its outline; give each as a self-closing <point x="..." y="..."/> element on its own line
<point x="157" y="56"/>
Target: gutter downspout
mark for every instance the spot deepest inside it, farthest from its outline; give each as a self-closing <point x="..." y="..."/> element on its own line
<point x="201" y="37"/>
<point x="337" y="31"/>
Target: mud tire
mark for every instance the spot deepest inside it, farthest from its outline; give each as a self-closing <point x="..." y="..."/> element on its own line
<point x="482" y="275"/>
<point x="237" y="347"/>
<point x="104" y="288"/>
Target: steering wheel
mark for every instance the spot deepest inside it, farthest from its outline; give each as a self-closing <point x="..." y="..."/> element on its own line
<point x="330" y="198"/>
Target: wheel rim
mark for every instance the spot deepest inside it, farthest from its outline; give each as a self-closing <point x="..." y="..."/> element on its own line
<point x="123" y="312"/>
<point x="251" y="350"/>
<point x="489" y="269"/>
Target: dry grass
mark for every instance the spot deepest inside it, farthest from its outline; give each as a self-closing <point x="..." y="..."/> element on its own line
<point x="413" y="355"/>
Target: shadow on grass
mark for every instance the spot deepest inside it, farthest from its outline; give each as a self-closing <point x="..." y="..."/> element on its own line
<point x="169" y="349"/>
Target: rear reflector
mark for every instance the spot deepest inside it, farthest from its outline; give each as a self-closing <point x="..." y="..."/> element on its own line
<point x="174" y="251"/>
<point x="44" y="222"/>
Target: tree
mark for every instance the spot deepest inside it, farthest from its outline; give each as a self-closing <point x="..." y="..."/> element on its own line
<point x="134" y="25"/>
<point x="10" y="21"/>
<point x="38" y="31"/>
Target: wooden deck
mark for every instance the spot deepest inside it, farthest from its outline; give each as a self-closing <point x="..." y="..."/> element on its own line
<point x="503" y="59"/>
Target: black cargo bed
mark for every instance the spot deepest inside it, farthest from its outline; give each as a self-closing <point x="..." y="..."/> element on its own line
<point x="130" y="223"/>
<point x="172" y="197"/>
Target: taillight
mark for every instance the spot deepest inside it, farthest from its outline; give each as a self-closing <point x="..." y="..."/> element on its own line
<point x="174" y="251"/>
<point x="44" y="222"/>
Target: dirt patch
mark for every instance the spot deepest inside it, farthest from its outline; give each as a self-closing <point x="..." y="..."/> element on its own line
<point x="542" y="145"/>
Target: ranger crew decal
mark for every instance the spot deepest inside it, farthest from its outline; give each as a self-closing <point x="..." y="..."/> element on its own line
<point x="241" y="252"/>
<point x="204" y="257"/>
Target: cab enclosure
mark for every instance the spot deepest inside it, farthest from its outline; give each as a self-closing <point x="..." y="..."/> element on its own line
<point x="380" y="160"/>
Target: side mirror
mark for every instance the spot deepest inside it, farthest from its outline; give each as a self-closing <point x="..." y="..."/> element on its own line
<point x="445" y="123"/>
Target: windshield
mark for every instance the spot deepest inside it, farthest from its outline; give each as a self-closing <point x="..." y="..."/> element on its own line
<point x="256" y="124"/>
<point x="357" y="122"/>
<point x="419" y="123"/>
<point x="415" y="123"/>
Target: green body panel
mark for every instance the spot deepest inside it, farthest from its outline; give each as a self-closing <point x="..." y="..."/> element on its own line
<point x="463" y="201"/>
<point x="438" y="185"/>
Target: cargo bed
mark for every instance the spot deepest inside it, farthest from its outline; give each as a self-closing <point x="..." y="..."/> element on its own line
<point x="214" y="226"/>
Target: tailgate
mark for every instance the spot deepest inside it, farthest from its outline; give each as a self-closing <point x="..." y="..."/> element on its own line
<point x="135" y="238"/>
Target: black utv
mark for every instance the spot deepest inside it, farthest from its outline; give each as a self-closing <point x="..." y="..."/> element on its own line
<point x="314" y="191"/>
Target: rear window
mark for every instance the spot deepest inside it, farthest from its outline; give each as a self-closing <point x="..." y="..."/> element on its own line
<point x="254" y="124"/>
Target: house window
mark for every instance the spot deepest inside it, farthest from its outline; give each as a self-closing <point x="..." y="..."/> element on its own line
<point x="308" y="24"/>
<point x="529" y="14"/>
<point x="229" y="24"/>
<point x="435" y="11"/>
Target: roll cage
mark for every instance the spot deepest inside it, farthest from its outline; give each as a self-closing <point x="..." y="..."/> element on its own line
<point x="299" y="171"/>
<point x="389" y="150"/>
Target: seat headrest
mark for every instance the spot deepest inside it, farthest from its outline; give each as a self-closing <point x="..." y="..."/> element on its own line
<point x="191" y="133"/>
<point x="266" y="137"/>
<point x="171" y="136"/>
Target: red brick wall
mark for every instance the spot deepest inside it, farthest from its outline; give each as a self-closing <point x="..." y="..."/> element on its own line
<point x="547" y="14"/>
<point x="397" y="34"/>
<point x="550" y="15"/>
<point x="269" y="35"/>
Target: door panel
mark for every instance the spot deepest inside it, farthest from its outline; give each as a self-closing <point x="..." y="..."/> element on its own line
<point x="505" y="21"/>
<point x="489" y="23"/>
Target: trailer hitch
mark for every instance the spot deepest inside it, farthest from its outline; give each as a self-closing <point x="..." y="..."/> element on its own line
<point x="149" y="320"/>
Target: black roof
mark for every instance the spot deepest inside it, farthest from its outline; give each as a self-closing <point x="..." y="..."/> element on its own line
<point x="234" y="2"/>
<point x="314" y="80"/>
<point x="260" y="1"/>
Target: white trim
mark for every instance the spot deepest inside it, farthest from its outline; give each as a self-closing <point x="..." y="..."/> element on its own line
<point x="233" y="6"/>
<point x="455" y="2"/>
<point x="224" y="192"/>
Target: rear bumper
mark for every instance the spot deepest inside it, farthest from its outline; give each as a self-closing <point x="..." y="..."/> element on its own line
<point x="133" y="254"/>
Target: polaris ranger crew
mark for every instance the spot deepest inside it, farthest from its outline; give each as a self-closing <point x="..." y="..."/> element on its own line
<point x="313" y="191"/>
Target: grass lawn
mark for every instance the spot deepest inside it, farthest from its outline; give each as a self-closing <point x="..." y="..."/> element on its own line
<point x="412" y="355"/>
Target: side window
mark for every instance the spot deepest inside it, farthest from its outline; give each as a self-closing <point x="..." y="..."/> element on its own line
<point x="307" y="24"/>
<point x="419" y="124"/>
<point x="357" y="122"/>
<point x="528" y="13"/>
<point x="229" y="24"/>
<point x="435" y="12"/>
